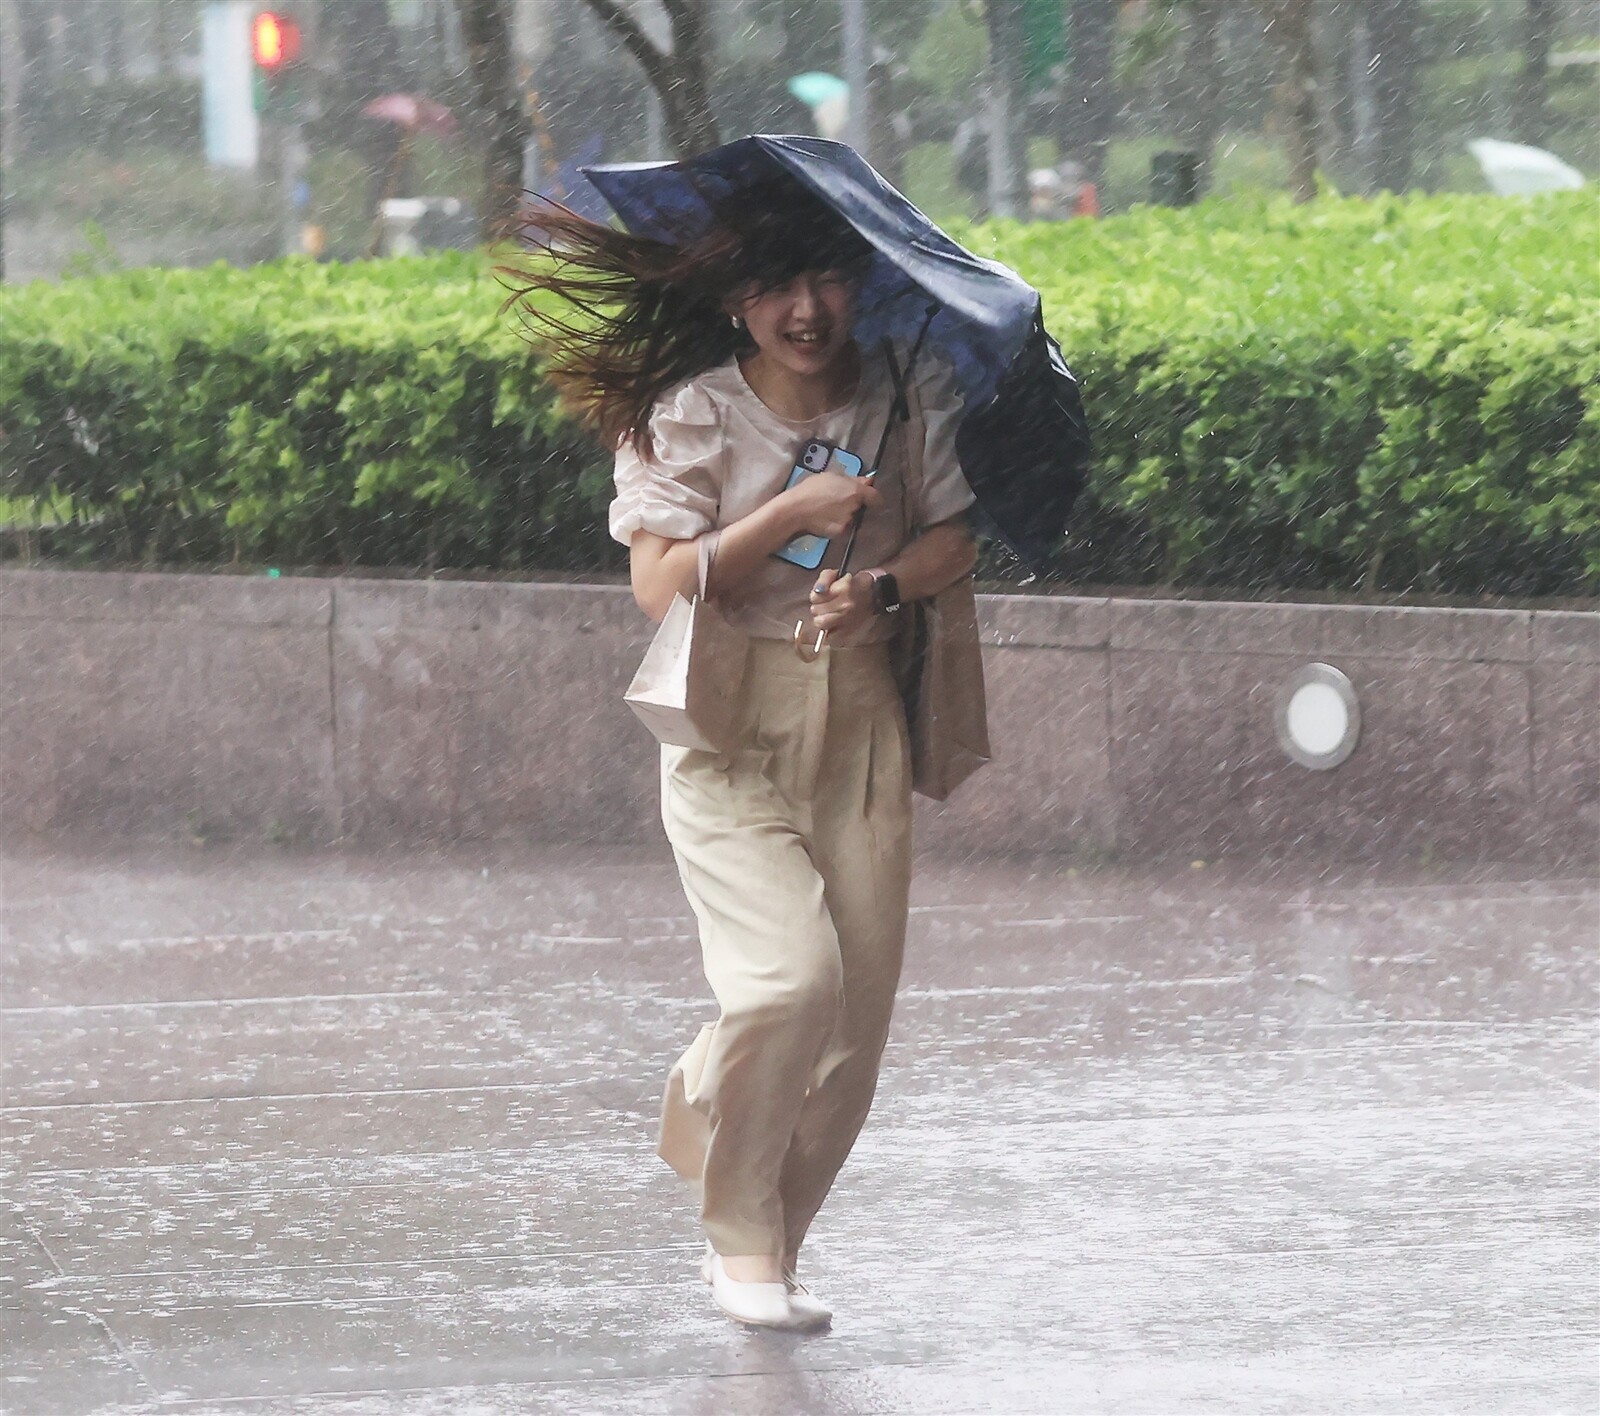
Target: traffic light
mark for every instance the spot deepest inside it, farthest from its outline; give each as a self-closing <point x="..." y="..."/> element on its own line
<point x="274" y="42"/>
<point x="275" y="47"/>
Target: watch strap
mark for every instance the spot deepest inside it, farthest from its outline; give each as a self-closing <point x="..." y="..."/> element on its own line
<point x="885" y="592"/>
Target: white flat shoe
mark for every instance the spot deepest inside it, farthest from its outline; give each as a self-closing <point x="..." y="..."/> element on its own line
<point x="758" y="1304"/>
<point x="805" y="1302"/>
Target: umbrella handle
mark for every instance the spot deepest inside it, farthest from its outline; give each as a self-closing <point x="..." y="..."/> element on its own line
<point x="810" y="650"/>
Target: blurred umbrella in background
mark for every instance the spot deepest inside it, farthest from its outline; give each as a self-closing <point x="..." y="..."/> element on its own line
<point x="412" y="113"/>
<point x="828" y="98"/>
<point x="1516" y="170"/>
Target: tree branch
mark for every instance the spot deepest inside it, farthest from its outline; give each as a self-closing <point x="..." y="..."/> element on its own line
<point x="678" y="75"/>
<point x="656" y="64"/>
<point x="682" y="14"/>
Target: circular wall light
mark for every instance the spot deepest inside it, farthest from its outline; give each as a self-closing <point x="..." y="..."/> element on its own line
<point x="1319" y="717"/>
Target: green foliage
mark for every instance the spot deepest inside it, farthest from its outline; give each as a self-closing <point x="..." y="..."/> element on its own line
<point x="1385" y="394"/>
<point x="380" y="413"/>
<point x="1390" y="394"/>
<point x="950" y="56"/>
<point x="932" y="185"/>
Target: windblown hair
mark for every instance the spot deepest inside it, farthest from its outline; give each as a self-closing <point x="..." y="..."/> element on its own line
<point x="632" y="316"/>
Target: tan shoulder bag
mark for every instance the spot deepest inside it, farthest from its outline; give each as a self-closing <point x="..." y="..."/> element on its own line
<point x="938" y="661"/>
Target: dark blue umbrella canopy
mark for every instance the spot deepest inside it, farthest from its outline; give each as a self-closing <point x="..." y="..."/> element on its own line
<point x="1024" y="442"/>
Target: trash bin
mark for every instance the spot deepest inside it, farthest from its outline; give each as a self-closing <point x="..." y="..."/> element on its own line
<point x="1174" y="178"/>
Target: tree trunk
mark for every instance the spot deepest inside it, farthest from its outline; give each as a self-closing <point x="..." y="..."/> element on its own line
<point x="35" y="48"/>
<point x="1363" y="116"/>
<point x="364" y="47"/>
<point x="1203" y="118"/>
<point x="1008" y="163"/>
<point x="8" y="89"/>
<point x="1333" y="33"/>
<point x="1295" y="94"/>
<point x="113" y="43"/>
<point x="1089" y="108"/>
<point x="686" y="111"/>
<point x="486" y="31"/>
<point x="163" y="39"/>
<point x="73" y="35"/>
<point x="680" y="75"/>
<point x="1533" y="82"/>
<point x="691" y="55"/>
<point x="887" y="144"/>
<point x="114" y="65"/>
<point x="855" y="66"/>
<point x="1392" y="31"/>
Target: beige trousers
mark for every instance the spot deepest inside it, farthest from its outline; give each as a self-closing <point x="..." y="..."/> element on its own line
<point x="795" y="853"/>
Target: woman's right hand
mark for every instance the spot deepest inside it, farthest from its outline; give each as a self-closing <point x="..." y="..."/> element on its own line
<point x="825" y="503"/>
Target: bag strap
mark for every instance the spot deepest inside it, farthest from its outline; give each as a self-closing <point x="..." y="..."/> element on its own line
<point x="900" y="404"/>
<point x="897" y="402"/>
<point x="908" y="406"/>
<point x="705" y="552"/>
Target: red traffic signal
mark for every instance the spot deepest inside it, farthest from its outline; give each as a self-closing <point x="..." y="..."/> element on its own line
<point x="274" y="41"/>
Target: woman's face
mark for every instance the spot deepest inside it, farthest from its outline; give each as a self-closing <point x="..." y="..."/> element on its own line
<point x="804" y="324"/>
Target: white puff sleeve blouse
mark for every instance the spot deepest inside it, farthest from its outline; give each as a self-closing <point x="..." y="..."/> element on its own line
<point x="676" y="492"/>
<point x="720" y="453"/>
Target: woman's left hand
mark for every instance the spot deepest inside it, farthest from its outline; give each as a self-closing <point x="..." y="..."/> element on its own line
<point x="841" y="604"/>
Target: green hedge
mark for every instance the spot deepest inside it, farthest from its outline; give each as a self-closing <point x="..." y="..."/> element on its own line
<point x="380" y="413"/>
<point x="1384" y="395"/>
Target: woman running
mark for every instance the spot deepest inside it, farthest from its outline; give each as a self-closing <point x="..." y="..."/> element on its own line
<point x="714" y="367"/>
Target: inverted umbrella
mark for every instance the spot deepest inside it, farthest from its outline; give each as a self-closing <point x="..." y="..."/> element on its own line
<point x="1024" y="441"/>
<point x="567" y="185"/>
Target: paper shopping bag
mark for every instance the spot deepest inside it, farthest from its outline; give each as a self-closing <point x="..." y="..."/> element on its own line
<point x="687" y="688"/>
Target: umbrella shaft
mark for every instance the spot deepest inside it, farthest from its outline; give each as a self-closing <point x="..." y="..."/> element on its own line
<point x="897" y="409"/>
<point x="850" y="544"/>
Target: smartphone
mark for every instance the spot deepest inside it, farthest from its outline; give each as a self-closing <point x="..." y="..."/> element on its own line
<point x="816" y="456"/>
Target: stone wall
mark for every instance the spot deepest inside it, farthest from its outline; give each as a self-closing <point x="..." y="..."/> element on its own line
<point x="381" y="710"/>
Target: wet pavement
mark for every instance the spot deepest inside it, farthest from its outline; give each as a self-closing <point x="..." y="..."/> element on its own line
<point x="372" y="1133"/>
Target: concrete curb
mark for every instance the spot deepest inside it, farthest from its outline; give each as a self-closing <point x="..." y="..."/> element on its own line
<point x="379" y="710"/>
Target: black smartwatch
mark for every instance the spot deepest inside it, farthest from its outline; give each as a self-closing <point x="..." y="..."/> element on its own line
<point x="885" y="593"/>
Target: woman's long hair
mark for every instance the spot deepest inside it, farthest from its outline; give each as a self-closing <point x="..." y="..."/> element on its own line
<point x="631" y="316"/>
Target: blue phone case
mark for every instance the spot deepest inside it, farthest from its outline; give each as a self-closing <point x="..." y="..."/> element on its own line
<point x="807" y="551"/>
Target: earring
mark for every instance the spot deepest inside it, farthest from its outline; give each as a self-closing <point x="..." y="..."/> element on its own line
<point x="737" y="322"/>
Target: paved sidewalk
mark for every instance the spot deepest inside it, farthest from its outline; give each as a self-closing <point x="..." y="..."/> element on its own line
<point x="360" y="1133"/>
